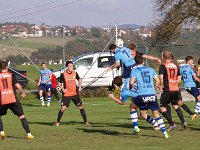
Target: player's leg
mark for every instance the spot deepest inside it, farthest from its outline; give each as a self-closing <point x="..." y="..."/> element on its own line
<point x="55" y="93"/>
<point x="41" y="89"/>
<point x="3" y="111"/>
<point x="64" y="105"/>
<point x="77" y="101"/>
<point x="149" y="119"/>
<point x="160" y="122"/>
<point x="18" y="110"/>
<point x="180" y="115"/>
<point x="134" y="117"/>
<point x="48" y="89"/>
<point x="195" y="92"/>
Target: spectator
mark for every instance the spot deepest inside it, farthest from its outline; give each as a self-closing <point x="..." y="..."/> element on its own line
<point x="54" y="86"/>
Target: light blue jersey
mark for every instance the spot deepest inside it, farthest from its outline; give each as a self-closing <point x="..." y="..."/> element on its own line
<point x="126" y="92"/>
<point x="187" y="76"/>
<point x="44" y="74"/>
<point x="144" y="76"/>
<point x="124" y="54"/>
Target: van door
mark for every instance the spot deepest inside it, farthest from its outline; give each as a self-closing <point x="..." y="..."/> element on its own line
<point x="82" y="66"/>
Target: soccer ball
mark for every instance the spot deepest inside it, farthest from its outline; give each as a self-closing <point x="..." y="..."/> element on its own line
<point x="119" y="43"/>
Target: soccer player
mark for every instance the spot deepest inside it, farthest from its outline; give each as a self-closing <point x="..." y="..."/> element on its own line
<point x="44" y="83"/>
<point x="170" y="78"/>
<point x="124" y="94"/>
<point x="188" y="77"/>
<point x="8" y="99"/>
<point x="144" y="77"/>
<point x="54" y="86"/>
<point x="68" y="78"/>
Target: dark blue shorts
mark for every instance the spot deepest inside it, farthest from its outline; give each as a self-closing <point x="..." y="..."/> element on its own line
<point x="46" y="87"/>
<point x="194" y="91"/>
<point x="127" y="71"/>
<point x="146" y="102"/>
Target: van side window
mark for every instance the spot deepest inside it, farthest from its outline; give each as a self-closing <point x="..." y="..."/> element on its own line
<point x="83" y="63"/>
<point x="104" y="62"/>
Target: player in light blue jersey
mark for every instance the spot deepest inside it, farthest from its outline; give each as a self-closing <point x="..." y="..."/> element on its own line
<point x="126" y="92"/>
<point x="146" y="99"/>
<point x="188" y="76"/>
<point x="44" y="83"/>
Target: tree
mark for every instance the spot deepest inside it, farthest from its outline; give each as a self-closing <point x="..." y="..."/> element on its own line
<point x="96" y="32"/>
<point x="172" y="16"/>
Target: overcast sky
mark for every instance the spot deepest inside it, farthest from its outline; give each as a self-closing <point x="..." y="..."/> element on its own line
<point x="81" y="12"/>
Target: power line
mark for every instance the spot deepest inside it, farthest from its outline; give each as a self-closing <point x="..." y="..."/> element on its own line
<point x="34" y="12"/>
<point x="37" y="6"/>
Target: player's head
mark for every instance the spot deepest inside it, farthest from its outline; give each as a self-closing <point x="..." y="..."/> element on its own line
<point x="119" y="43"/>
<point x="189" y="60"/>
<point x="118" y="81"/>
<point x="44" y="65"/>
<point x="69" y="66"/>
<point x="132" y="46"/>
<point x="3" y="65"/>
<point x="112" y="48"/>
<point x="168" y="56"/>
<point x="139" y="59"/>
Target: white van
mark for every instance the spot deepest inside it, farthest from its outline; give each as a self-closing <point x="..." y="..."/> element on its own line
<point x="100" y="61"/>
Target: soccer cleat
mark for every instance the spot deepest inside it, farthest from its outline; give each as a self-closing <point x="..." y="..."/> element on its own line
<point x="172" y="127"/>
<point x="87" y="124"/>
<point x="135" y="131"/>
<point x="29" y="136"/>
<point x="2" y="135"/>
<point x="184" y="126"/>
<point x="193" y="117"/>
<point x="166" y="135"/>
<point x="48" y="104"/>
<point x="57" y="124"/>
<point x="42" y="104"/>
<point x="157" y="128"/>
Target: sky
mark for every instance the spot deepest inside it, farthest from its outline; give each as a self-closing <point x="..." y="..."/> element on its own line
<point x="78" y="12"/>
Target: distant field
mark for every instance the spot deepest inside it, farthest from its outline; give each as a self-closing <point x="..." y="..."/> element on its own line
<point x="110" y="129"/>
<point x="30" y="45"/>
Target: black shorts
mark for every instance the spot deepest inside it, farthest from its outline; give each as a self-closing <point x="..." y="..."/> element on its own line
<point x="168" y="97"/>
<point x="16" y="108"/>
<point x="66" y="100"/>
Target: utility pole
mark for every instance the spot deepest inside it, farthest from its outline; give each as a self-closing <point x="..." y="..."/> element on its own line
<point x="116" y="32"/>
<point x="4" y="49"/>
<point x="63" y="44"/>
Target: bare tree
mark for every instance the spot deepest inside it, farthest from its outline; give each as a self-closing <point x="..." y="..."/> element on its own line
<point x="171" y="16"/>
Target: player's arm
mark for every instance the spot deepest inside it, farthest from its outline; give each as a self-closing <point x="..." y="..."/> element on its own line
<point x="59" y="83"/>
<point x="196" y="78"/>
<point x="157" y="82"/>
<point x="115" y="65"/>
<point x="152" y="58"/>
<point x="20" y="89"/>
<point x="117" y="100"/>
<point x="179" y="79"/>
<point x="132" y="81"/>
<point x="79" y="82"/>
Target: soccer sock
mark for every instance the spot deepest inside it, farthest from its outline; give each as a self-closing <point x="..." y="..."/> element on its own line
<point x="60" y="113"/>
<point x="83" y="114"/>
<point x="185" y="107"/>
<point x="49" y="98"/>
<point x="197" y="109"/>
<point x="152" y="121"/>
<point x="41" y="98"/>
<point x="168" y="117"/>
<point x="161" y="124"/>
<point x="180" y="114"/>
<point x="25" y="125"/>
<point x="134" y="118"/>
<point x="169" y="110"/>
<point x="1" y="125"/>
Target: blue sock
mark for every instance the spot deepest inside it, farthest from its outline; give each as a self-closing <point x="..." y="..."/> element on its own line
<point x="41" y="98"/>
<point x="152" y="121"/>
<point x="49" y="99"/>
<point x="134" y="118"/>
<point x="161" y="124"/>
<point x="197" y="109"/>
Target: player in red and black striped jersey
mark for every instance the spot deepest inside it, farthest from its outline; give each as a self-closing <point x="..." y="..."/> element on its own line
<point x="170" y="78"/>
<point x="8" y="99"/>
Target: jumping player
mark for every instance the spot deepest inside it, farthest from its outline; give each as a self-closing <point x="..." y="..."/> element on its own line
<point x="146" y="98"/>
<point x="70" y="92"/>
<point x="188" y="77"/>
<point x="44" y="83"/>
<point x="8" y="99"/>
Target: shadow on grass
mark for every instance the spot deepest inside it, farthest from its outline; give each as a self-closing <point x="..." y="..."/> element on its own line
<point x="14" y="137"/>
<point x="31" y="105"/>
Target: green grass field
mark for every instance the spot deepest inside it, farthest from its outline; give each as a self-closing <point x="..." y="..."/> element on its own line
<point x="110" y="129"/>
